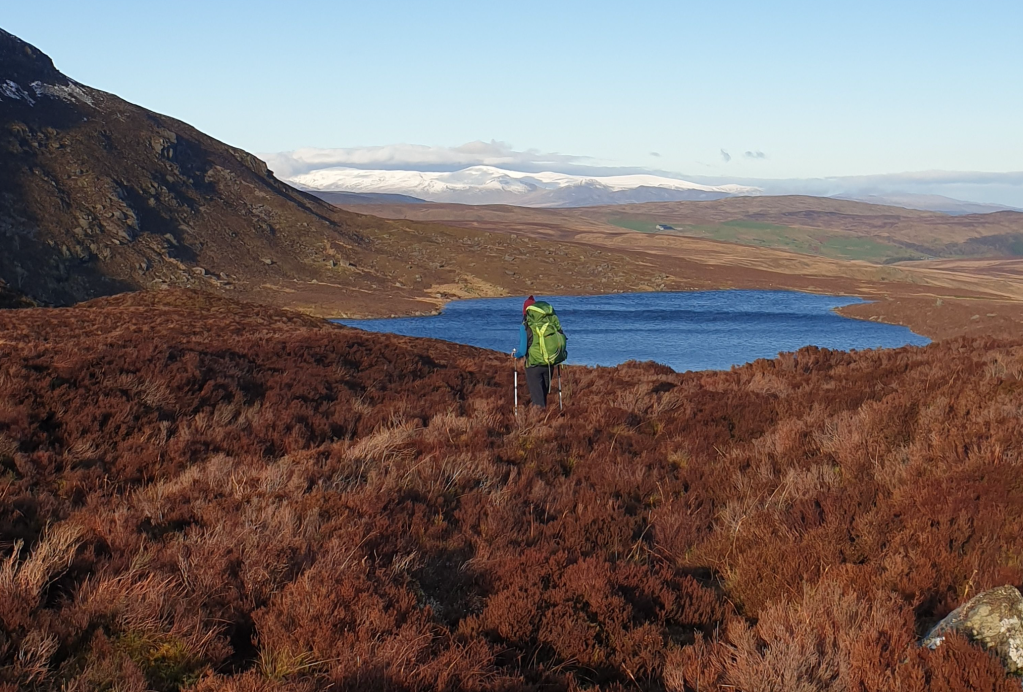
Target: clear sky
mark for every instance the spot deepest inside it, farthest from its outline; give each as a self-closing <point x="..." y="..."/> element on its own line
<point x="820" y="88"/>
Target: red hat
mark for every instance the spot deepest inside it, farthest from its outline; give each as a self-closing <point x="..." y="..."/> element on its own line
<point x="529" y="301"/>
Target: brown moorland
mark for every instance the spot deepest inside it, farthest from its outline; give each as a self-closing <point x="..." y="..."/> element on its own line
<point x="932" y="233"/>
<point x="940" y="298"/>
<point x="199" y="494"/>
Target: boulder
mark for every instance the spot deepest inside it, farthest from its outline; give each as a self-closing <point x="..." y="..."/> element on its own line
<point x="993" y="619"/>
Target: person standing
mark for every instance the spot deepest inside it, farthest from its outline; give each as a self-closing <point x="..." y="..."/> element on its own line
<point x="544" y="346"/>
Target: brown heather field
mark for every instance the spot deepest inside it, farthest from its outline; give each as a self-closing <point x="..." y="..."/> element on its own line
<point x="199" y="494"/>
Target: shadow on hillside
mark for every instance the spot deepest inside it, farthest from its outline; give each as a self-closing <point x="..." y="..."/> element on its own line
<point x="44" y="274"/>
<point x="32" y="261"/>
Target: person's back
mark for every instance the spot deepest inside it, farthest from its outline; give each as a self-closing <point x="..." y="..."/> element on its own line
<point x="543" y="344"/>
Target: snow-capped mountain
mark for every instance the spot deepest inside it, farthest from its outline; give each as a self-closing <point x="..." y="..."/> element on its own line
<point x="491" y="185"/>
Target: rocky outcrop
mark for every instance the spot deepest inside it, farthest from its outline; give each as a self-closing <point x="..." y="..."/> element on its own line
<point x="993" y="619"/>
<point x="12" y="299"/>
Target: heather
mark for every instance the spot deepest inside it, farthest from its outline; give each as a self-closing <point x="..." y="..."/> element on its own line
<point x="199" y="494"/>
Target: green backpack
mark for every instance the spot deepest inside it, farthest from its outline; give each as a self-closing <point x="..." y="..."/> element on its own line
<point x="547" y="345"/>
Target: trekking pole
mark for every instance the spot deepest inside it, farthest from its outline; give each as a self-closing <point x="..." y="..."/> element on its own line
<point x="516" y="385"/>
<point x="561" y="406"/>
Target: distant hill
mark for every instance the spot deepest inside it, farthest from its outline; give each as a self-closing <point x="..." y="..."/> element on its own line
<point x="819" y="226"/>
<point x="357" y="198"/>
<point x="491" y="185"/>
<point x="939" y="203"/>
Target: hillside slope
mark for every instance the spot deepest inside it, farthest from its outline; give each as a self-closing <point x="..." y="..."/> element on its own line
<point x="100" y="196"/>
<point x="206" y="495"/>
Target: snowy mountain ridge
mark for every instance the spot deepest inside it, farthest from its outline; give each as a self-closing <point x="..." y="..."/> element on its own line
<point x="492" y="185"/>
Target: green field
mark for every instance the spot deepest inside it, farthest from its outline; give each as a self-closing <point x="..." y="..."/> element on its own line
<point x="806" y="241"/>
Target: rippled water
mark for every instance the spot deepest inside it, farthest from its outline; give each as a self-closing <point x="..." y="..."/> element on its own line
<point x="686" y="330"/>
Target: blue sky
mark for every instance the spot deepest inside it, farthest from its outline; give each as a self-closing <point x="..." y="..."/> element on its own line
<point x="820" y="88"/>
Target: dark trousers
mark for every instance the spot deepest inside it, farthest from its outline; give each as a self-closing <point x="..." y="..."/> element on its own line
<point x="538" y="378"/>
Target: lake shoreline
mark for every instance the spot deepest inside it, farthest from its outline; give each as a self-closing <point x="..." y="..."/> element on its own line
<point x="686" y="330"/>
<point x="841" y="310"/>
<point x="934" y="315"/>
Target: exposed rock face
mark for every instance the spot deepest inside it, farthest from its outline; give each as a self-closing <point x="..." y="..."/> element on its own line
<point x="994" y="619"/>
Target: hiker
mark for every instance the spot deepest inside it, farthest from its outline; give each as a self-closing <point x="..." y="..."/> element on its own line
<point x="543" y="345"/>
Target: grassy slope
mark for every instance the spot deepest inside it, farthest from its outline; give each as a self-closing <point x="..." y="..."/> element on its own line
<point x="805" y="241"/>
<point x="841" y="229"/>
<point x="216" y="496"/>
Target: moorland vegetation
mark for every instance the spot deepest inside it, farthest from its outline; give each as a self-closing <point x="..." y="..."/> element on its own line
<point x="201" y="494"/>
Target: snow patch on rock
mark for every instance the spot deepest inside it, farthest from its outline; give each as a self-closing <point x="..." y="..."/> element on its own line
<point x="70" y="92"/>
<point x="12" y="90"/>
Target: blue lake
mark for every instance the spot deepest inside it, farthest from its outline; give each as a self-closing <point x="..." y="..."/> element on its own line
<point x="687" y="331"/>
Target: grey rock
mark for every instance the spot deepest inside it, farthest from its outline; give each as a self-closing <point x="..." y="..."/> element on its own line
<point x="993" y="619"/>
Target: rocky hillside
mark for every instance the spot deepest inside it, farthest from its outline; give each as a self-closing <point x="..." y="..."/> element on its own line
<point x="98" y="196"/>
